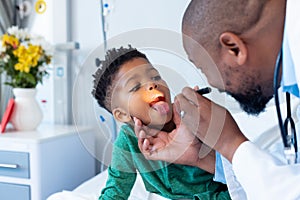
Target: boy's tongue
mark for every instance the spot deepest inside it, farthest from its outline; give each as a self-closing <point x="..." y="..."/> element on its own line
<point x="162" y="107"/>
<point x="157" y="101"/>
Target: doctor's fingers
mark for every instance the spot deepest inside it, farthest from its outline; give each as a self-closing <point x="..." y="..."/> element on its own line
<point x="144" y="145"/>
<point x="192" y="95"/>
<point x="150" y="148"/>
<point x="202" y="118"/>
<point x="204" y="104"/>
<point x="189" y="112"/>
<point x="142" y="131"/>
<point x="213" y="122"/>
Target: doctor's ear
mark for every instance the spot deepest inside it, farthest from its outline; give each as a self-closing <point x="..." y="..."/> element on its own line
<point x="121" y="115"/>
<point x="235" y="48"/>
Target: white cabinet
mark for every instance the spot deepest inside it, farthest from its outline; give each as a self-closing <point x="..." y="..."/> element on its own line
<point x="35" y="164"/>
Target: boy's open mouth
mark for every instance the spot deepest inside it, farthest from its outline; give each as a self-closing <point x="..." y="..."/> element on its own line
<point x="159" y="104"/>
<point x="157" y="99"/>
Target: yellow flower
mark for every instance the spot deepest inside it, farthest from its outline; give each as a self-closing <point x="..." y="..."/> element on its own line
<point x="10" y="40"/>
<point x="20" y="52"/>
<point x="34" y="52"/>
<point x="22" y="67"/>
<point x="26" y="61"/>
<point x="22" y="56"/>
<point x="27" y="57"/>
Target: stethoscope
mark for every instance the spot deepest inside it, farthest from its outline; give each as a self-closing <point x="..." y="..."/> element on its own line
<point x="287" y="128"/>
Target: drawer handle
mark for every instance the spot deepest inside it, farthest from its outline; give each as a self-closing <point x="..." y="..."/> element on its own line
<point x="9" y="166"/>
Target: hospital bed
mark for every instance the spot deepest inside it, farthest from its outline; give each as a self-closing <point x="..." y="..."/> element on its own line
<point x="91" y="189"/>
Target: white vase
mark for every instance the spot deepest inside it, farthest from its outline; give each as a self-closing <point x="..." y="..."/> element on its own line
<point x="27" y="114"/>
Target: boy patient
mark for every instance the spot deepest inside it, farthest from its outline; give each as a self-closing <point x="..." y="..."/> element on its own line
<point x="127" y="85"/>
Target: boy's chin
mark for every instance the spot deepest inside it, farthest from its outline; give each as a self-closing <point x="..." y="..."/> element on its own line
<point x="157" y="123"/>
<point x="161" y="125"/>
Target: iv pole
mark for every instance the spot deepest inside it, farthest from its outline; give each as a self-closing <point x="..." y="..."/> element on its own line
<point x="104" y="15"/>
<point x="103" y="21"/>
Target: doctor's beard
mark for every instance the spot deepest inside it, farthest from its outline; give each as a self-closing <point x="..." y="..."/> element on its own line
<point x="252" y="101"/>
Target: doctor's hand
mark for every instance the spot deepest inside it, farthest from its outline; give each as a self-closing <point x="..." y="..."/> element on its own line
<point x="211" y="123"/>
<point x="179" y="146"/>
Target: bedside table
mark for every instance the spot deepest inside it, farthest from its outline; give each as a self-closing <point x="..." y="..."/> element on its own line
<point x="35" y="164"/>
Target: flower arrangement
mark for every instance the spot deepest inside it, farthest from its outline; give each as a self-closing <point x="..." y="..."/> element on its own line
<point x="23" y="58"/>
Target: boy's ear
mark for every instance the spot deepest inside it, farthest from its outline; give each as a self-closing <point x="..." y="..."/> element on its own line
<point x="235" y="49"/>
<point x="121" y="115"/>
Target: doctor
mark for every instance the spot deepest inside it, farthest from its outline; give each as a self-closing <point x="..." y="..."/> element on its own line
<point x="243" y="38"/>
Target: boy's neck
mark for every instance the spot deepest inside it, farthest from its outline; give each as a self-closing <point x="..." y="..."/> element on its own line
<point x="168" y="127"/>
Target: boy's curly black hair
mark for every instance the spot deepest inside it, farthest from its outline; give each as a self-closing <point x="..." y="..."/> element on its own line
<point x="105" y="74"/>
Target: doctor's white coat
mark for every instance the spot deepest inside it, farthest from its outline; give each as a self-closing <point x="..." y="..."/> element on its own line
<point x="261" y="175"/>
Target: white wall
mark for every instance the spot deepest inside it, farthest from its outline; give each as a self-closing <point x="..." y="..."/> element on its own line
<point x="43" y="25"/>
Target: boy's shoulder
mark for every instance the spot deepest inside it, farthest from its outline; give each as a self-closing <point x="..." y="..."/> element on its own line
<point x="126" y="140"/>
<point x="126" y="131"/>
<point x="126" y="136"/>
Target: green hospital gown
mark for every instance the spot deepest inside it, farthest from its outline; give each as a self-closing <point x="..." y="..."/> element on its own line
<point x="172" y="181"/>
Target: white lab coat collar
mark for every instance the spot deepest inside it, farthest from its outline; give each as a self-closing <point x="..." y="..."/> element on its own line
<point x="291" y="41"/>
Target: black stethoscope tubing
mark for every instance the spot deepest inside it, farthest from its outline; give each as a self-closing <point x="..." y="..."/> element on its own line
<point x="287" y="139"/>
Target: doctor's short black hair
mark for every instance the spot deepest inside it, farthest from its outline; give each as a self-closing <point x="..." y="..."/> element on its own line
<point x="107" y="69"/>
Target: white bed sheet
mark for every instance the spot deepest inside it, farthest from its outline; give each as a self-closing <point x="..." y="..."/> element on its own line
<point x="90" y="190"/>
